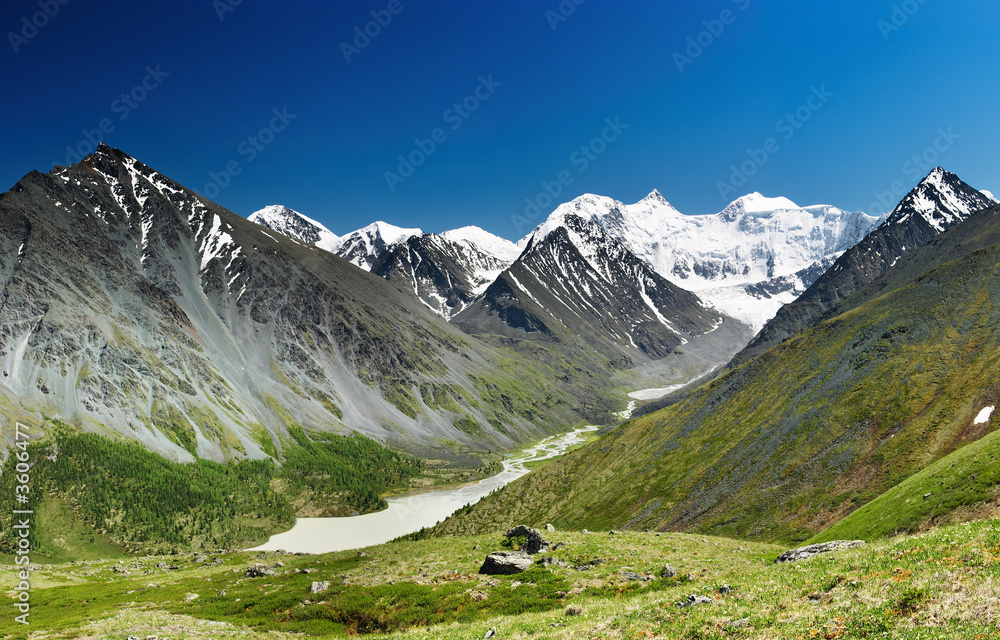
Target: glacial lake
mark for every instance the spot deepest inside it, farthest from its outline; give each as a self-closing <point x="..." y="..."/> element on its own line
<point x="410" y="513"/>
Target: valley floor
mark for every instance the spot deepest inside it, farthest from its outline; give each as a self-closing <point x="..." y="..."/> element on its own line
<point x="941" y="584"/>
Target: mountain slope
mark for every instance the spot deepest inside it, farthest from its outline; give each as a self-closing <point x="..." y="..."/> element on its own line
<point x="747" y="260"/>
<point x="575" y="284"/>
<point x="131" y="305"/>
<point x="940" y="201"/>
<point x="798" y="437"/>
<point x="446" y="272"/>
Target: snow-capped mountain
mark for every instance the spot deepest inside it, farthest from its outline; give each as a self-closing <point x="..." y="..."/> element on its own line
<point x="295" y="225"/>
<point x="447" y="271"/>
<point x="575" y="283"/>
<point x="748" y="260"/>
<point x="365" y="246"/>
<point x="940" y="201"/>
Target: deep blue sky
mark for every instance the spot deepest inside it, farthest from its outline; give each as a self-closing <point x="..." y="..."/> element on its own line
<point x="892" y="91"/>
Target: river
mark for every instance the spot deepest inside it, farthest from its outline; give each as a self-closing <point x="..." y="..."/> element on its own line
<point x="407" y="514"/>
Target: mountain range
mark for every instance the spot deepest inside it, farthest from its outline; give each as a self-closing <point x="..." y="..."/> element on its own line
<point x="135" y="308"/>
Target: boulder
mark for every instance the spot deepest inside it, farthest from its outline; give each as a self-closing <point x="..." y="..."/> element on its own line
<point x="318" y="587"/>
<point x="803" y="553"/>
<point x="668" y="572"/>
<point x="550" y="528"/>
<point x="505" y="563"/>
<point x="535" y="542"/>
<point x="259" y="571"/>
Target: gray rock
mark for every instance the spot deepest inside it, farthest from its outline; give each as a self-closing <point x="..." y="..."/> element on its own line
<point x="630" y="575"/>
<point x="535" y="542"/>
<point x="318" y="587"/>
<point x="259" y="571"/>
<point x="803" y="553"/>
<point x="668" y="572"/>
<point x="550" y="528"/>
<point x="505" y="563"/>
<point x="551" y="560"/>
<point x="191" y="597"/>
<point x="737" y="624"/>
<point x="492" y="633"/>
<point x="692" y="601"/>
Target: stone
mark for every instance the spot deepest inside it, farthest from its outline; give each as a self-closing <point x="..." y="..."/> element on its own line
<point x="668" y="572"/>
<point x="161" y="565"/>
<point x="259" y="571"/>
<point x="119" y="569"/>
<point x="574" y="610"/>
<point x="191" y="597"/>
<point x="802" y="553"/>
<point x="737" y="624"/>
<point x="307" y="570"/>
<point x="630" y="575"/>
<point x="492" y="633"/>
<point x="505" y="563"/>
<point x="551" y="560"/>
<point x="319" y="587"/>
<point x="693" y="601"/>
<point x="550" y="528"/>
<point x="725" y="589"/>
<point x="557" y="546"/>
<point x="478" y="596"/>
<point x="534" y="544"/>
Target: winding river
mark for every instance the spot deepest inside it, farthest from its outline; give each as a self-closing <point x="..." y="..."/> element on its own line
<point x="410" y="513"/>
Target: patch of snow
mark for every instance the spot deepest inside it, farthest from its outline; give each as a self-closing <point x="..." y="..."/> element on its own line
<point x="984" y="415"/>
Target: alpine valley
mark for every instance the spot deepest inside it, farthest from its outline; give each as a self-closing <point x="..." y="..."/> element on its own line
<point x="192" y="381"/>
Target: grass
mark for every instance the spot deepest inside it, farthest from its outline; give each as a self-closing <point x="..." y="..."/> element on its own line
<point x="941" y="584"/>
<point x="965" y="479"/>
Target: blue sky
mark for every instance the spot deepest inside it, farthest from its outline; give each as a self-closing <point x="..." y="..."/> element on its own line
<point x="256" y="103"/>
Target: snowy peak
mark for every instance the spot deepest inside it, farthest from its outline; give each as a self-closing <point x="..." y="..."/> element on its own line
<point x="295" y="225"/>
<point x="747" y="260"/>
<point x="942" y="199"/>
<point x="484" y="241"/>
<point x="364" y="246"/>
<point x="755" y="203"/>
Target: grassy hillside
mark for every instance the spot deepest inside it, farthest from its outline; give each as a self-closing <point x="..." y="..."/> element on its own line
<point x="789" y="443"/>
<point x="940" y="585"/>
<point x="960" y="486"/>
